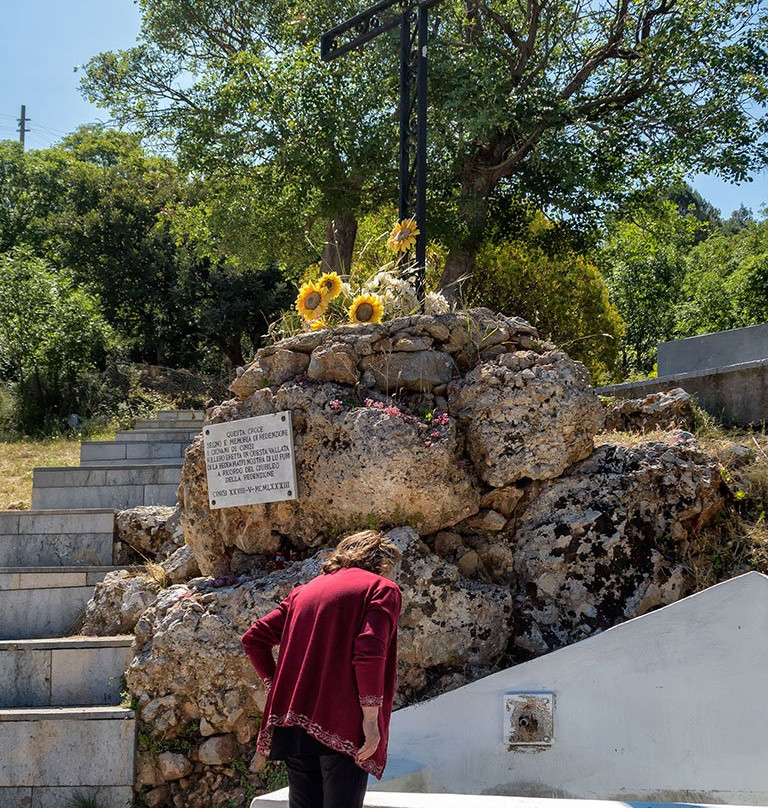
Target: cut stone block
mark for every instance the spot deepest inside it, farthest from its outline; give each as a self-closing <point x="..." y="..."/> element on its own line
<point x="117" y="487"/>
<point x="58" y="796"/>
<point x="56" y="538"/>
<point x="46" y="602"/>
<point x="71" y="747"/>
<point x="157" y="435"/>
<point x="96" y="453"/>
<point x="63" y="671"/>
<point x="181" y="415"/>
<point x="151" y="423"/>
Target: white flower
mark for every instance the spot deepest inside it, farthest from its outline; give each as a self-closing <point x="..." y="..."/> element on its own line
<point x="435" y="303"/>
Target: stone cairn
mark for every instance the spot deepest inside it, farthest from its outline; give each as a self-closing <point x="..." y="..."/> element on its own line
<point x="472" y="441"/>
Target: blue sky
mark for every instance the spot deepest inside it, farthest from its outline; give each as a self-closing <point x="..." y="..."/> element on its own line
<point x="41" y="42"/>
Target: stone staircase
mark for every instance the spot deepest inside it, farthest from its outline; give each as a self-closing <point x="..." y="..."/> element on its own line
<point x="62" y="734"/>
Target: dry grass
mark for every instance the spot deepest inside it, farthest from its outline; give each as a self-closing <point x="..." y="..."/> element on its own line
<point x="18" y="458"/>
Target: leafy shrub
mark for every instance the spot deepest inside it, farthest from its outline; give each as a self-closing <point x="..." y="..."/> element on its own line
<point x="560" y="293"/>
<point x="51" y="335"/>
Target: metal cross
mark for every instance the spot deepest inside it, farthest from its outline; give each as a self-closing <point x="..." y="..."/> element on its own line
<point x="411" y="16"/>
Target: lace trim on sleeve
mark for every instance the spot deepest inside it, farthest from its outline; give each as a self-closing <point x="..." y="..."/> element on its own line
<point x="371" y="701"/>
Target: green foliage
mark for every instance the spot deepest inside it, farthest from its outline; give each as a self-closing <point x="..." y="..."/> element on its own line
<point x="643" y="263"/>
<point x="51" y="335"/>
<point x="131" y="228"/>
<point x="572" y="106"/>
<point x="726" y="282"/>
<point x="275" y="775"/>
<point x="82" y="800"/>
<point x="560" y="292"/>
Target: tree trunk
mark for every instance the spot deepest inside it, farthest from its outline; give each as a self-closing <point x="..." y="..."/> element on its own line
<point x="476" y="188"/>
<point x="339" y="243"/>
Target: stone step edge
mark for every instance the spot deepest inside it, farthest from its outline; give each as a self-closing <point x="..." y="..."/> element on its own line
<point x="44" y="570"/>
<point x="60" y="511"/>
<point x="95" y="713"/>
<point x="163" y="462"/>
<point x="77" y="641"/>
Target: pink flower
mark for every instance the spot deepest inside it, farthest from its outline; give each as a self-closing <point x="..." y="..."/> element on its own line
<point x="427" y="442"/>
<point x="442" y="419"/>
<point x="393" y="410"/>
<point x="335" y="404"/>
<point x="368" y="402"/>
<point x="434" y="435"/>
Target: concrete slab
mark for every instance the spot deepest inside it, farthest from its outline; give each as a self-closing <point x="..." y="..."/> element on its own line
<point x="63" y="671"/>
<point x="118" y="487"/>
<point x="160" y="435"/>
<point x="151" y="423"/>
<point x="74" y="747"/>
<point x="46" y="603"/>
<point x="279" y="799"/>
<point x="103" y="796"/>
<point x="50" y="549"/>
<point x="181" y="415"/>
<point x="131" y="452"/>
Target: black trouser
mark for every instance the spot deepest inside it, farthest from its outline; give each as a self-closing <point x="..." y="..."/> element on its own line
<point x="325" y="781"/>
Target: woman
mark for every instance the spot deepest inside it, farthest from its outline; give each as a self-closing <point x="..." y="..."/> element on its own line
<point x="329" y="697"/>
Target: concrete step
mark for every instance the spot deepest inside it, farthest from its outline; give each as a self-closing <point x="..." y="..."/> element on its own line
<point x="155" y="423"/>
<point x="50" y="755"/>
<point x="157" y="435"/>
<point x="46" y="601"/>
<point x="63" y="672"/>
<point x="181" y="415"/>
<point x="118" y="487"/>
<point x="53" y="538"/>
<point x="138" y="453"/>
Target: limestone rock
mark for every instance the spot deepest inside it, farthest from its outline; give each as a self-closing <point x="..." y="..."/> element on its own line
<point x="181" y="566"/>
<point x="336" y="362"/>
<point x="526" y="415"/>
<point x="189" y="662"/>
<point x="355" y="465"/>
<point x="666" y="410"/>
<point x="420" y="371"/>
<point x="118" y="602"/>
<point x="156" y="797"/>
<point x="174" y="765"/>
<point x="152" y="530"/>
<point x="504" y="500"/>
<point x="605" y="541"/>
<point x="218" y="750"/>
<point x="448" y="621"/>
<point x="487" y="520"/>
<point x="268" y="369"/>
<point x="736" y="455"/>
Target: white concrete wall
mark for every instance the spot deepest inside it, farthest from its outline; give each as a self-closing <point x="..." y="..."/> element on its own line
<point x="671" y="706"/>
<point x="713" y="350"/>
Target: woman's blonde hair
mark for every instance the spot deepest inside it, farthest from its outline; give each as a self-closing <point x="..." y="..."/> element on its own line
<point x="369" y="550"/>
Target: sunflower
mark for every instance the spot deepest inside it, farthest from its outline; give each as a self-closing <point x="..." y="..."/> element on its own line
<point x="403" y="236"/>
<point x="310" y="303"/>
<point x="329" y="285"/>
<point x="316" y="325"/>
<point x="366" y="309"/>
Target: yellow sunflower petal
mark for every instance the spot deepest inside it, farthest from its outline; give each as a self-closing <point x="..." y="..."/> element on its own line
<point x="310" y="303"/>
<point x="366" y="309"/>
<point x="403" y="236"/>
<point x="316" y="325"/>
<point x="329" y="285"/>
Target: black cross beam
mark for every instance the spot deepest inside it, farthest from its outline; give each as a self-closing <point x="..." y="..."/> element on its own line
<point x="411" y="16"/>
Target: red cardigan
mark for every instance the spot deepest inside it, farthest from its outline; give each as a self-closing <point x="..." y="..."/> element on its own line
<point x="338" y="650"/>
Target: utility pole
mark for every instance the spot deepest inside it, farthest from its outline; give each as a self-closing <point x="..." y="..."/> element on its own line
<point x="23" y="125"/>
